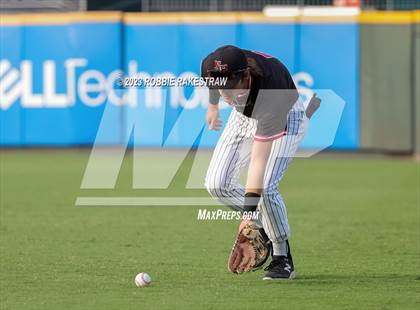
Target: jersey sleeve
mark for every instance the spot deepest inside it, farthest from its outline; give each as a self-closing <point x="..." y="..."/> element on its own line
<point x="269" y="129"/>
<point x="214" y="96"/>
<point x="271" y="113"/>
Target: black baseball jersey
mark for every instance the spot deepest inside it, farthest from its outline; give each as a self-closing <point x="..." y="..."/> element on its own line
<point x="272" y="95"/>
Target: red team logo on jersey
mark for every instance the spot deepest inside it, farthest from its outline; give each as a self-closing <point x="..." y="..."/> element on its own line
<point x="218" y="66"/>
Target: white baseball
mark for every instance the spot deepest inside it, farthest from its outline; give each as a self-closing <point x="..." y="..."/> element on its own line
<point x="142" y="279"/>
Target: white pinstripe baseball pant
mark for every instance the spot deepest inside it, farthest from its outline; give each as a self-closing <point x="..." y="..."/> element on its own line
<point x="233" y="152"/>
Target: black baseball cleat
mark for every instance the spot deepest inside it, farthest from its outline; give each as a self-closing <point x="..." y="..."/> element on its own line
<point x="281" y="267"/>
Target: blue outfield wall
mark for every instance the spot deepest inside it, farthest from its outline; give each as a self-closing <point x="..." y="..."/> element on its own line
<point x="56" y="80"/>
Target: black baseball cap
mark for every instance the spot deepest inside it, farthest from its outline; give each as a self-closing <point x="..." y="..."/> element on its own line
<point x="225" y="62"/>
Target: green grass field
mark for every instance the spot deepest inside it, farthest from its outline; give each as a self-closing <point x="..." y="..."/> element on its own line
<point x="354" y="219"/>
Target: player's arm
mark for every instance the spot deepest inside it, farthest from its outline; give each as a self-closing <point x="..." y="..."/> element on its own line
<point x="244" y="256"/>
<point x="272" y="122"/>
<point x="259" y="157"/>
<point x="212" y="115"/>
<point x="255" y="179"/>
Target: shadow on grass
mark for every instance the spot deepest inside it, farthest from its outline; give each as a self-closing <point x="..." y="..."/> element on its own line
<point x="346" y="279"/>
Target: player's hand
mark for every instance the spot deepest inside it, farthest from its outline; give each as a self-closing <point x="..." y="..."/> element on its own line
<point x="212" y="117"/>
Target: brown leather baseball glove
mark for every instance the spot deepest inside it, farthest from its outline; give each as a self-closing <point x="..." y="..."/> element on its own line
<point x="251" y="249"/>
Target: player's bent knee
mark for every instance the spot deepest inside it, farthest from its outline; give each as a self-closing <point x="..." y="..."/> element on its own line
<point x="216" y="189"/>
<point x="216" y="192"/>
<point x="211" y="189"/>
<point x="213" y="186"/>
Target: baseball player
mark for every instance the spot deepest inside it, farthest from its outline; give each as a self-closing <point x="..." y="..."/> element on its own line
<point x="263" y="132"/>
